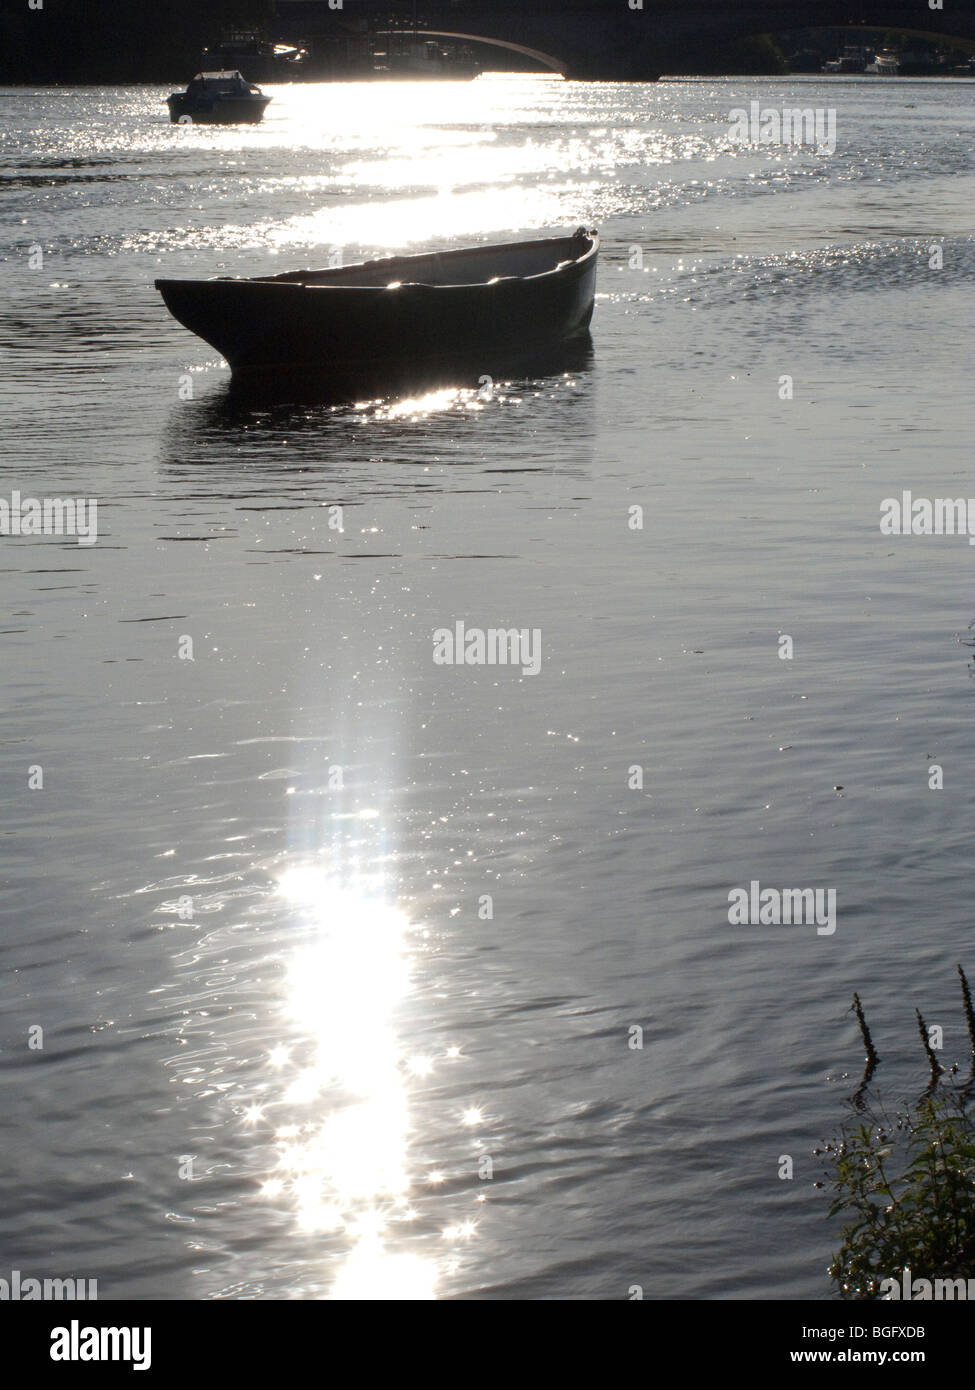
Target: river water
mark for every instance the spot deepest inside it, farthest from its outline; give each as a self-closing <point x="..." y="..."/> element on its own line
<point x="338" y="955"/>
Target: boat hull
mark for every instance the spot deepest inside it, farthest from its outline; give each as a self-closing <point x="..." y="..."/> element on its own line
<point x="217" y="110"/>
<point x="355" y="332"/>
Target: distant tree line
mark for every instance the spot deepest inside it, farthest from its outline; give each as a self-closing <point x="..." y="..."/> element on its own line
<point x="759" y="56"/>
<point x="79" y="41"/>
<point x="117" y="41"/>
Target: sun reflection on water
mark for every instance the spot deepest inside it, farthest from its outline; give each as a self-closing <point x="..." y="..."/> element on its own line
<point x="345" y="1171"/>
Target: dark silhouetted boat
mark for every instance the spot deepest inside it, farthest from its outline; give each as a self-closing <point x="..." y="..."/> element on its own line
<point x="218" y="98"/>
<point x="425" y="316"/>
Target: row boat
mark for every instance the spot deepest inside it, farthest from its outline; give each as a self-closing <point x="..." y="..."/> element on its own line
<point x="429" y="313"/>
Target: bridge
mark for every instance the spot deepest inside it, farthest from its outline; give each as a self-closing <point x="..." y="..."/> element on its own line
<point x="619" y="40"/>
<point x="544" y="60"/>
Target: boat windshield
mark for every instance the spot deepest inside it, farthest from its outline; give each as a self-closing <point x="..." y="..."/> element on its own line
<point x="215" y="82"/>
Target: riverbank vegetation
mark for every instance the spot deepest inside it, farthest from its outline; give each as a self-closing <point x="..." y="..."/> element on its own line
<point x="904" y="1184"/>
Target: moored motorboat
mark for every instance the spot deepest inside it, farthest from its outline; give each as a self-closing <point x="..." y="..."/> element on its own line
<point x="887" y="63"/>
<point x="428" y="312"/>
<point x="218" y="98"/>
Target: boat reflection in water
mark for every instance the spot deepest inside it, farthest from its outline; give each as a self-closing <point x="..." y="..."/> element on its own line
<point x="346" y="1173"/>
<point x="400" y="382"/>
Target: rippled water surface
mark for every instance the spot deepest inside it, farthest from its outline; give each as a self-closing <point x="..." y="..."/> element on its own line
<point x="336" y="951"/>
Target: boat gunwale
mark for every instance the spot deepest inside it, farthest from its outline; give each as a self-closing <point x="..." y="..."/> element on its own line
<point x="286" y="280"/>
